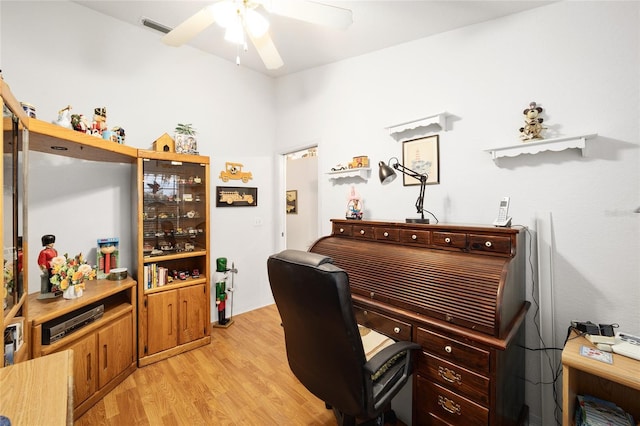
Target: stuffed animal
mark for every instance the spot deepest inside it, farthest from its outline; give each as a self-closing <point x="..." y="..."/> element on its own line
<point x="533" y="123"/>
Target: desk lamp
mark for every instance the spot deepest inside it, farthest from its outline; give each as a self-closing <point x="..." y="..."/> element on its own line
<point x="387" y="175"/>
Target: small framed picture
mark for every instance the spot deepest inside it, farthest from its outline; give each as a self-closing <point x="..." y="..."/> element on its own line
<point x="422" y="156"/>
<point x="292" y="201"/>
<point x="236" y="196"/>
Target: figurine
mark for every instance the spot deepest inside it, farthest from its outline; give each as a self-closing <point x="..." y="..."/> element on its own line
<point x="533" y="123"/>
<point x="99" y="123"/>
<point x="354" y="205"/>
<point x="79" y="123"/>
<point x="221" y="289"/>
<point x="64" y="118"/>
<point x="44" y="261"/>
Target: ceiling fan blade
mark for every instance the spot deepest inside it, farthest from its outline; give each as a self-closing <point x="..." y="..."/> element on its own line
<point x="190" y="28"/>
<point x="267" y="51"/>
<point x="312" y="12"/>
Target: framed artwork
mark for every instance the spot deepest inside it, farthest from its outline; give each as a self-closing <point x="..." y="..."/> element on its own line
<point x="292" y="201"/>
<point x="234" y="196"/>
<point x="422" y="156"/>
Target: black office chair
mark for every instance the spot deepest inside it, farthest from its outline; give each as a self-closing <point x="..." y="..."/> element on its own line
<point x="323" y="342"/>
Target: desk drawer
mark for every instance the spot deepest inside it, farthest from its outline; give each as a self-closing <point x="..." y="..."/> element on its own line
<point x="391" y="327"/>
<point x="451" y="350"/>
<point x="387" y="234"/>
<point x="450" y="239"/>
<point x="490" y="243"/>
<point x="341" y="229"/>
<point x="448" y="406"/>
<point x="362" y="231"/>
<point x="410" y="236"/>
<point x="454" y="377"/>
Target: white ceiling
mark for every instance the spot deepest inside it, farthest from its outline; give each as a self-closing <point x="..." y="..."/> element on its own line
<point x="376" y="25"/>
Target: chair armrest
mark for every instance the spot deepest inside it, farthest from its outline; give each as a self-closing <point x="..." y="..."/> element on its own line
<point x="382" y="357"/>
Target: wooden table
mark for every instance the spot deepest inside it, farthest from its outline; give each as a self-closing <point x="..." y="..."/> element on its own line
<point x="39" y="391"/>
<point x="618" y="382"/>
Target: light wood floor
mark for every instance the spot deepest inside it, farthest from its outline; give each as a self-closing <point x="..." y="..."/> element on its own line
<point x="241" y="378"/>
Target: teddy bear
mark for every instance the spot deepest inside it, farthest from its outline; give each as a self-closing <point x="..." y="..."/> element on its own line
<point x="533" y="123"/>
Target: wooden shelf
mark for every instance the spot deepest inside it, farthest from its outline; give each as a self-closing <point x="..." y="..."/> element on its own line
<point x="418" y="128"/>
<point x="536" y="146"/>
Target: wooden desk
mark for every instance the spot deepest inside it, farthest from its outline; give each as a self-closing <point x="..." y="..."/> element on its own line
<point x="618" y="382"/>
<point x="39" y="391"/>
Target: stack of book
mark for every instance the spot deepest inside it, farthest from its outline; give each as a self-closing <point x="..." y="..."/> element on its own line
<point x="592" y="411"/>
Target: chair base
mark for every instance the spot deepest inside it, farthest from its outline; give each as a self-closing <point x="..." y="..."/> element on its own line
<point x="387" y="417"/>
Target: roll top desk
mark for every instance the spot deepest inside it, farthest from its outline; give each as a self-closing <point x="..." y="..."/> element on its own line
<point x="458" y="291"/>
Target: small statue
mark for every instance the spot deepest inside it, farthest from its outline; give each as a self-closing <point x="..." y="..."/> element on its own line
<point x="99" y="123"/>
<point x="533" y="123"/>
<point x="64" y="118"/>
<point x="79" y="123"/>
<point x="354" y="205"/>
<point x="44" y="261"/>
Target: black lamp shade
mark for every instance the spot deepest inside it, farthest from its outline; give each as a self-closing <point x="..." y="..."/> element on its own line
<point x="386" y="173"/>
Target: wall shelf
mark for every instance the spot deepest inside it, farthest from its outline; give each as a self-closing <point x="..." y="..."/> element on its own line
<point x="360" y="172"/>
<point x="534" y="147"/>
<point x="418" y="128"/>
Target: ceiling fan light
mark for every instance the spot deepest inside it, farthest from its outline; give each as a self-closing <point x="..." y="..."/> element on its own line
<point x="234" y="33"/>
<point x="257" y="25"/>
<point x="224" y="13"/>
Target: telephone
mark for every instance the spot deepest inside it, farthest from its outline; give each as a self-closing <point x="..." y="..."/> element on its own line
<point x="503" y="219"/>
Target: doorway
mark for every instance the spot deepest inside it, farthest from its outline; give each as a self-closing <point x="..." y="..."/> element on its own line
<point x="301" y="206"/>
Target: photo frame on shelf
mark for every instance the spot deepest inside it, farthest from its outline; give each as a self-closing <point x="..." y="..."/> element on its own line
<point x="236" y="196"/>
<point x="422" y="156"/>
<point x="292" y="201"/>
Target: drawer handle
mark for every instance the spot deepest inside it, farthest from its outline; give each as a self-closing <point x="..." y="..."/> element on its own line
<point x="449" y="405"/>
<point x="449" y="375"/>
<point x="488" y="244"/>
<point x="414" y="237"/>
<point x="447" y="240"/>
<point x="448" y="349"/>
<point x="386" y="234"/>
<point x="396" y="330"/>
<point x="341" y="230"/>
<point x="362" y="232"/>
<point x="372" y="294"/>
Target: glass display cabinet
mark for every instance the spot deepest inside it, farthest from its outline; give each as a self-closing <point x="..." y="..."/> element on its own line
<point x="173" y="267"/>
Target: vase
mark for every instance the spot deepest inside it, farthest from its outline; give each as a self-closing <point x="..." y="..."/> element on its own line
<point x="72" y="292"/>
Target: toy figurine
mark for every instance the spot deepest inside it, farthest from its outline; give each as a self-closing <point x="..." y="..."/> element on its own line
<point x="44" y="261"/>
<point x="354" y="205"/>
<point x="221" y="289"/>
<point x="533" y="123"/>
<point x="64" y="117"/>
<point x="99" y="123"/>
<point x="79" y="123"/>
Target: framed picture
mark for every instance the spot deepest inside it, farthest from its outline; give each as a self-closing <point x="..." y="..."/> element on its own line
<point x="422" y="156"/>
<point x="292" y="201"/>
<point x="234" y="196"/>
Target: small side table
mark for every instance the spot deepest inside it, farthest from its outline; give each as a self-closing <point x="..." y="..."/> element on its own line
<point x="39" y="391"/>
<point x="618" y="382"/>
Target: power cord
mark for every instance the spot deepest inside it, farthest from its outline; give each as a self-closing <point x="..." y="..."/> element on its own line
<point x="556" y="370"/>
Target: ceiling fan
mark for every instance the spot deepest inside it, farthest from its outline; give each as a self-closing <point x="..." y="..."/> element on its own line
<point x="240" y="17"/>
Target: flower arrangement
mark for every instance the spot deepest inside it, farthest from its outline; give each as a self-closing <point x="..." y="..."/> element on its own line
<point x="70" y="271"/>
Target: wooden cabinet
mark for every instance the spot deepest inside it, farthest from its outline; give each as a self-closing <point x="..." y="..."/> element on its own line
<point x="618" y="382"/>
<point x="13" y="294"/>
<point x="458" y="291"/>
<point x="104" y="352"/>
<point x="173" y="254"/>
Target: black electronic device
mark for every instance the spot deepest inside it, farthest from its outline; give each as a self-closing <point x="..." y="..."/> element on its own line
<point x="56" y="329"/>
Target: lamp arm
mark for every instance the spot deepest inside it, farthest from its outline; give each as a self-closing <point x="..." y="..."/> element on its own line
<point x="423" y="183"/>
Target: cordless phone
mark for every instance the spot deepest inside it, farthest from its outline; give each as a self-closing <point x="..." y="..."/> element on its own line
<point x="503" y="218"/>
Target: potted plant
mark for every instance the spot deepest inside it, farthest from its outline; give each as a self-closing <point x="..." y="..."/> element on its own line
<point x="186" y="141"/>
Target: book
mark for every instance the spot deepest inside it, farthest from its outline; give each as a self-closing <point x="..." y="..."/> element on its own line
<point x="592" y="411"/>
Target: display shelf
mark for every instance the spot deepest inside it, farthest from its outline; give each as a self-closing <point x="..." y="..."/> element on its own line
<point x="536" y="146"/>
<point x="360" y="172"/>
<point x="418" y="128"/>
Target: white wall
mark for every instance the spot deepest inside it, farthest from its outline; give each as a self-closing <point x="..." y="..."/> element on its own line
<point x="75" y="56"/>
<point x="580" y="61"/>
<point x="302" y="176"/>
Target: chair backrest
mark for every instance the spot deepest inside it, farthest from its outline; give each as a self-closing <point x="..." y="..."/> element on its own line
<point x="323" y="344"/>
